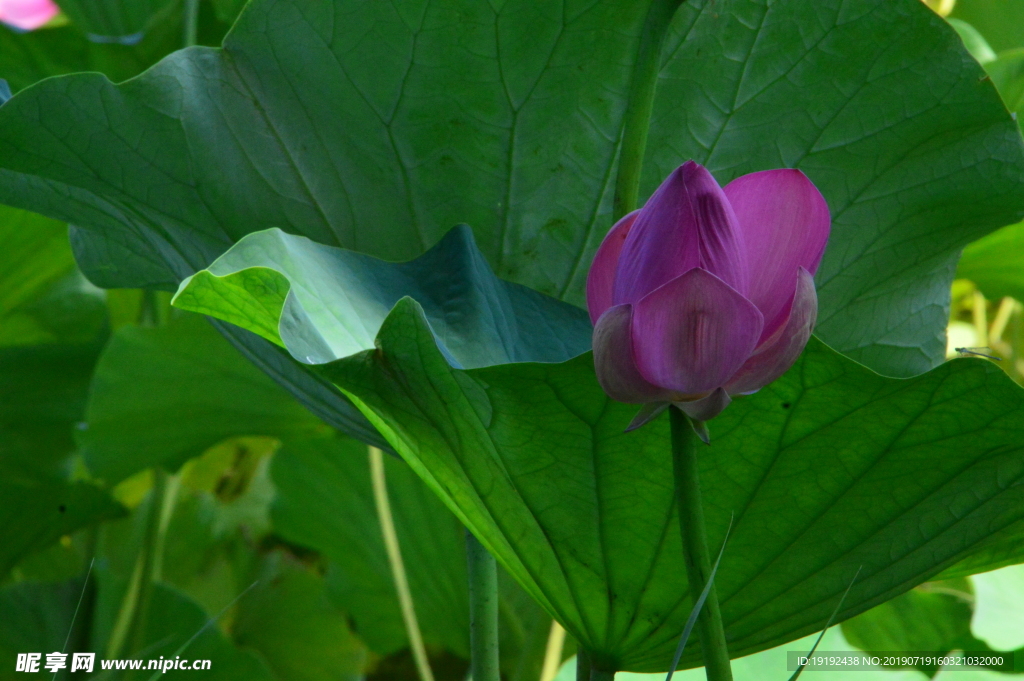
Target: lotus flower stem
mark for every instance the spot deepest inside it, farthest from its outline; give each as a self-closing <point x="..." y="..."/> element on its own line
<point x="483" y="611"/>
<point x="191" y="20"/>
<point x="641" y="103"/>
<point x="695" y="547"/>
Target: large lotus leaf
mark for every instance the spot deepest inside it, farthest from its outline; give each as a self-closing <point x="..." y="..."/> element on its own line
<point x="161" y="396"/>
<point x="330" y="480"/>
<point x="831" y="445"/>
<point x="830" y="470"/>
<point x="377" y="127"/>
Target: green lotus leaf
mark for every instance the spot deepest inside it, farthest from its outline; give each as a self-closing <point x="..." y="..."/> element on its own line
<point x="831" y="470"/>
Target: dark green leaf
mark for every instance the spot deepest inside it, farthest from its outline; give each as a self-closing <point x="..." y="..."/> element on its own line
<point x="164" y="395"/>
<point x="43" y="298"/>
<point x="36" y="510"/>
<point x="51" y="330"/>
<point x="918" y="472"/>
<point x="35" y="617"/>
<point x="289" y="619"/>
<point x="26" y="58"/>
<point x="325" y="502"/>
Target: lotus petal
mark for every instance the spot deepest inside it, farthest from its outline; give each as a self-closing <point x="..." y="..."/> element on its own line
<point x="686" y="224"/>
<point x="692" y="334"/>
<point x="774" y="356"/>
<point x="784" y="223"/>
<point x="601" y="278"/>
<point x="706" y="408"/>
<point x="613" y="360"/>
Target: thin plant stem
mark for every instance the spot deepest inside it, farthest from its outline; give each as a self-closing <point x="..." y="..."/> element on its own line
<point x="191" y="22"/>
<point x="126" y="612"/>
<point x="695" y="547"/>
<point x="483" y="611"/>
<point x="641" y="103"/>
<point x="387" y="529"/>
<point x="173" y="485"/>
<point x="553" y="652"/>
<point x="995" y="333"/>
<point x="150" y="559"/>
<point x="980" y="314"/>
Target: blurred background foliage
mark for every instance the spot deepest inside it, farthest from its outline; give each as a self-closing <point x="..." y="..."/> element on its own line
<point x="147" y="467"/>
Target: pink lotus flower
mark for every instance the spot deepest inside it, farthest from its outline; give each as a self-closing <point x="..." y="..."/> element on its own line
<point x="27" y="15"/>
<point x="707" y="292"/>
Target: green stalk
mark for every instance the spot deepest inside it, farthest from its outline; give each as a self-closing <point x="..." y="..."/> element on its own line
<point x="191" y="21"/>
<point x="483" y="611"/>
<point x="582" y="665"/>
<point x="390" y="536"/>
<point x="150" y="558"/>
<point x="695" y="547"/>
<point x="553" y="652"/>
<point x="641" y="103"/>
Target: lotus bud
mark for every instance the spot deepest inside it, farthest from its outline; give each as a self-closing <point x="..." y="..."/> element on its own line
<point x="707" y="292"/>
